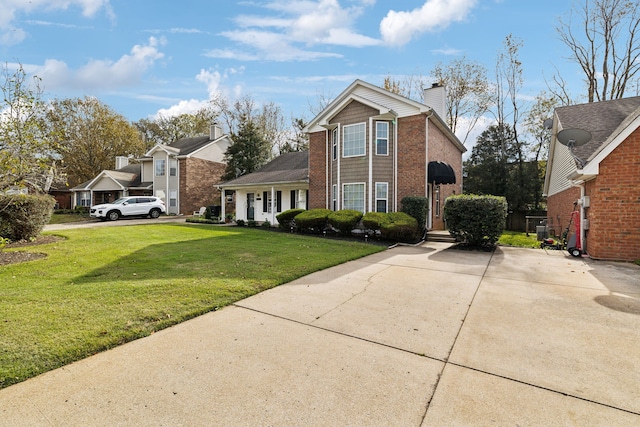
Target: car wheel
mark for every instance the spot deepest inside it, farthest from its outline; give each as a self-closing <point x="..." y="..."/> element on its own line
<point x="575" y="252"/>
<point x="155" y="213"/>
<point x="113" y="215"/>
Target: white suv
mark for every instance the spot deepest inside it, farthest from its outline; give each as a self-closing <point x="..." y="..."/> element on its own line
<point x="129" y="206"/>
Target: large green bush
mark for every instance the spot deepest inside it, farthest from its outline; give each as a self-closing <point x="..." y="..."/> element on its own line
<point x="286" y="218"/>
<point x="313" y="220"/>
<point x="476" y="220"/>
<point x="417" y="207"/>
<point x="344" y="220"/>
<point x="23" y="216"/>
<point x="374" y="220"/>
<point x="399" y="227"/>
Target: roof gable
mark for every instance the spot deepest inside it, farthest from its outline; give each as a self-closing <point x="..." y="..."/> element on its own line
<point x="288" y="167"/>
<point x="387" y="103"/>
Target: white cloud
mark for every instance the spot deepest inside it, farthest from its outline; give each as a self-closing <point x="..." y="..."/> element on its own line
<point x="398" y="28"/>
<point x="9" y="34"/>
<point x="447" y="51"/>
<point x="102" y="74"/>
<point x="297" y="26"/>
<point x="182" y="107"/>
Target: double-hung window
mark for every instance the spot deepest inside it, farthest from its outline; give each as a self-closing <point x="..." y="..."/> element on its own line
<point x="84" y="198"/>
<point x="160" y="167"/>
<point x="382" y="191"/>
<point x="334" y="138"/>
<point x="173" y="167"/>
<point x="382" y="138"/>
<point x="353" y="141"/>
<point x="353" y="197"/>
<point x="334" y="197"/>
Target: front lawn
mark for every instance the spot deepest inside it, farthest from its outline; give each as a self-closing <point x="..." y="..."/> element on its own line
<point x="104" y="286"/>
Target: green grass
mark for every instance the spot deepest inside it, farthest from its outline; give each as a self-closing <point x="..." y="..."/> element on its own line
<point x="102" y="287"/>
<point x="67" y="218"/>
<point x="513" y="238"/>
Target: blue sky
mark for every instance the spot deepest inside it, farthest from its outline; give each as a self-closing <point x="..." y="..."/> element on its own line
<point x="142" y="57"/>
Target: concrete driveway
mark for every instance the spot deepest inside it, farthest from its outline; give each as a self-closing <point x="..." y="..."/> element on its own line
<point x="413" y="336"/>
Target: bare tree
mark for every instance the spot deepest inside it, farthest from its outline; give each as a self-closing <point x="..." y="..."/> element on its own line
<point x="604" y="45"/>
<point x="468" y="94"/>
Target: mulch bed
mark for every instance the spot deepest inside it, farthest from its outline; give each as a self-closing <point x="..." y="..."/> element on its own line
<point x="15" y="257"/>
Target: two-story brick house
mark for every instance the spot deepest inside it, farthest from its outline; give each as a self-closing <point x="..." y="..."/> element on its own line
<point x="370" y="148"/>
<point x="182" y="174"/>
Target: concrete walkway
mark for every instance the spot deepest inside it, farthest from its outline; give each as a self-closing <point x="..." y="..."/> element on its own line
<point x="413" y="336"/>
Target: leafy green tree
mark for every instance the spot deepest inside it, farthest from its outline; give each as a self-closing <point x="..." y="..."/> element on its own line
<point x="486" y="170"/>
<point x="27" y="158"/>
<point x="166" y="129"/>
<point x="89" y="136"/>
<point x="249" y="151"/>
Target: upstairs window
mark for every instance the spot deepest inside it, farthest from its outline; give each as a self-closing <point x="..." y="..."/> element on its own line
<point x="173" y="167"/>
<point x="160" y="167"/>
<point x="334" y="138"/>
<point x="382" y="138"/>
<point x="353" y="141"/>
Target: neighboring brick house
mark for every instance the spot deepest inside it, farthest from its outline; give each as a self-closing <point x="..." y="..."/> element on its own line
<point x="182" y="174"/>
<point x="601" y="179"/>
<point x="370" y="148"/>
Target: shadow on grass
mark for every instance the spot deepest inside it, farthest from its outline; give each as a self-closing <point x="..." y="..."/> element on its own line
<point x="250" y="255"/>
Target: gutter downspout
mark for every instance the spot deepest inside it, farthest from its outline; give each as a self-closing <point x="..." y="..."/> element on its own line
<point x="580" y="184"/>
<point x="426" y="172"/>
<point x="395" y="122"/>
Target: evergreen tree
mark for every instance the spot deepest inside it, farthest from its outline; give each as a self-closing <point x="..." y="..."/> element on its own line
<point x="249" y="151"/>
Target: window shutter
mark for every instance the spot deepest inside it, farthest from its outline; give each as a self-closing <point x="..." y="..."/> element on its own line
<point x="307" y="201"/>
<point x="293" y="199"/>
<point x="278" y="201"/>
<point x="264" y="201"/>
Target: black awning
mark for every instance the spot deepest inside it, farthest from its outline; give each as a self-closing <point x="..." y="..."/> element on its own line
<point x="441" y="173"/>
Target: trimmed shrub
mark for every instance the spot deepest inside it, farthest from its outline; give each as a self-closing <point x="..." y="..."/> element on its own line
<point x="252" y="223"/>
<point x="476" y="220"/>
<point x="313" y="220"/>
<point x="400" y="227"/>
<point x="23" y="216"/>
<point x="286" y="218"/>
<point x="344" y="220"/>
<point x="240" y="223"/>
<point x="374" y="220"/>
<point x="266" y="224"/>
<point x="417" y="207"/>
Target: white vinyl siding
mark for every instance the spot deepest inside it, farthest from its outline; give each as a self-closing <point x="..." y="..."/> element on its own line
<point x="353" y="141"/>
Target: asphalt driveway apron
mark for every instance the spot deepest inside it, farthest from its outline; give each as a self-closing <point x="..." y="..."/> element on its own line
<point x="413" y="336"/>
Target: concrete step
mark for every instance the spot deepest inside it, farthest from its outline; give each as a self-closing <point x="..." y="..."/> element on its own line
<point x="440" y="236"/>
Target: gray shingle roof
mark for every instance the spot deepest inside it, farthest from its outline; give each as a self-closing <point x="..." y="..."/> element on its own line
<point x="288" y="167"/>
<point x="191" y="144"/>
<point x="599" y="118"/>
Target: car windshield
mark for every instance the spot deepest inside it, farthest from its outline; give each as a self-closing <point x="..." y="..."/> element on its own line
<point x="120" y="201"/>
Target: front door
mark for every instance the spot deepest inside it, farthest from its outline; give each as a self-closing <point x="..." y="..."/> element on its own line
<point x="250" y="207"/>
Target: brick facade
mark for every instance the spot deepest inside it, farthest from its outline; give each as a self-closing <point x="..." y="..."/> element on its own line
<point x="317" y="170"/>
<point x="559" y="208"/>
<point x="412" y="156"/>
<point x="614" y="212"/>
<point x="197" y="184"/>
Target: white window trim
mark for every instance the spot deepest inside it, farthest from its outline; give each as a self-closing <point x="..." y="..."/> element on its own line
<point x="386" y="199"/>
<point x="386" y="138"/>
<point x="171" y="169"/>
<point x="334" y="144"/>
<point x="364" y="141"/>
<point x="364" y="195"/>
<point x="164" y="167"/>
